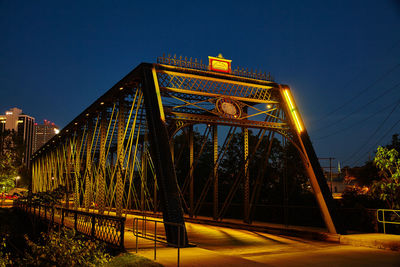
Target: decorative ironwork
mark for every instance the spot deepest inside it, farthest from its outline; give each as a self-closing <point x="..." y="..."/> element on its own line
<point x="228" y="108"/>
<point x="182" y="62"/>
<point x="199" y="65"/>
<point x="109" y="229"/>
<point x="177" y="82"/>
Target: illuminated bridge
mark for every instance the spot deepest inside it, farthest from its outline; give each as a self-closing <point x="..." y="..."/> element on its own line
<point x="121" y="154"/>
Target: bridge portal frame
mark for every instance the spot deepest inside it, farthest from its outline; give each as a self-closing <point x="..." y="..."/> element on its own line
<point x="88" y="147"/>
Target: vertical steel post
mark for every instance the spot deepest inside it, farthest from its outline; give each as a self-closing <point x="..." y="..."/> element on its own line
<point x="312" y="165"/>
<point x="215" y="173"/>
<point x="172" y="148"/>
<point x="161" y="155"/>
<point x="77" y="170"/>
<point x="120" y="156"/>
<point x="88" y="185"/>
<point x="76" y="221"/>
<point x="101" y="190"/>
<point x="144" y="174"/>
<point x="384" y="222"/>
<point x="155" y="240"/>
<point x="93" y="230"/>
<point x="246" y="175"/>
<point x="137" y="231"/>
<point x="68" y="172"/>
<point x="62" y="217"/>
<point x="122" y="231"/>
<point x="191" y="182"/>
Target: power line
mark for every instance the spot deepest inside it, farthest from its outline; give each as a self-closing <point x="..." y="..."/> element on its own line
<point x="388" y="132"/>
<point x="366" y="89"/>
<point x="360" y="108"/>
<point x="374" y="133"/>
<point x="344" y="129"/>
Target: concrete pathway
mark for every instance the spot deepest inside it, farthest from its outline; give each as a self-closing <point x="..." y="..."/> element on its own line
<point x="223" y="246"/>
<point x="228" y="246"/>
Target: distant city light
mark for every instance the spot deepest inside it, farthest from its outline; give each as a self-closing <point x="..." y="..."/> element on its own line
<point x="269" y="106"/>
<point x="56" y="131"/>
<point x="9" y="113"/>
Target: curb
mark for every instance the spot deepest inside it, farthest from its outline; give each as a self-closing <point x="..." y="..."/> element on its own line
<point x="380" y="241"/>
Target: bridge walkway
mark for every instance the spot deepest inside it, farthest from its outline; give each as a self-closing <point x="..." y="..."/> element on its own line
<point x="227" y="246"/>
<point x="222" y="245"/>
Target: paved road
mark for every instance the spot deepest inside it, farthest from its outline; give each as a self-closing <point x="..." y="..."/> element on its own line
<point x="220" y="246"/>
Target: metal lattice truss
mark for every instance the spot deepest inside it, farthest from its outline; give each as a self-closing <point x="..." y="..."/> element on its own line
<point x="118" y="154"/>
<point x="194" y="98"/>
<point x="99" y="157"/>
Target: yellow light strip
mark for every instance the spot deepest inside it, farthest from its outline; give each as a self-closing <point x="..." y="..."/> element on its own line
<point x="293" y="110"/>
<point x="158" y="94"/>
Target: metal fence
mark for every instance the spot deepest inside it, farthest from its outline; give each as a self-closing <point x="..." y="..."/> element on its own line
<point x="141" y="229"/>
<point x="391" y="217"/>
<point x="109" y="229"/>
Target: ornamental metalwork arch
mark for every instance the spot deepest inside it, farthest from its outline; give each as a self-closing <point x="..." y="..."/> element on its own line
<point x="118" y="154"/>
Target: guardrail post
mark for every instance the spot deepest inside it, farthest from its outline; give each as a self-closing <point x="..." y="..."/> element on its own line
<point x="155" y="240"/>
<point x="179" y="242"/>
<point x="76" y="221"/>
<point x="122" y="230"/>
<point x="93" y="226"/>
<point x="384" y="222"/>
<point x="137" y="223"/>
<point x="62" y="217"/>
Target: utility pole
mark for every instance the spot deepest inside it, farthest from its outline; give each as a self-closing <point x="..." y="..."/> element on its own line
<point x="330" y="168"/>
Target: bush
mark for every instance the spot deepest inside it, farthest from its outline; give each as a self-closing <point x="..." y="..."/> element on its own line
<point x="4" y="254"/>
<point x="388" y="188"/>
<point x="64" y="248"/>
<point x="130" y="260"/>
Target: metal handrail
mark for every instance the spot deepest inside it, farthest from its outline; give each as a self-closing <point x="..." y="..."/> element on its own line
<point x="397" y="212"/>
<point x="144" y="234"/>
<point x="50" y="210"/>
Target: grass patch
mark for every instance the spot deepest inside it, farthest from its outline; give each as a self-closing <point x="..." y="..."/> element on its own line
<point x="130" y="260"/>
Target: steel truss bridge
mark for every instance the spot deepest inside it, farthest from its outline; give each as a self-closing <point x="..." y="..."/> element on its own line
<point x="119" y="152"/>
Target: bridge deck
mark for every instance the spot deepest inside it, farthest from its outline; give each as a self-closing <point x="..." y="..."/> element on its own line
<point x="219" y="246"/>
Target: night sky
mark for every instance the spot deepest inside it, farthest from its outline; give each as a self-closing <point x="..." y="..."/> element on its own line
<point x="341" y="58"/>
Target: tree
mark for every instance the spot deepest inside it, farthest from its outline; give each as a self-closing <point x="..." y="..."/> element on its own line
<point x="388" y="188"/>
<point x="365" y="175"/>
<point x="395" y="142"/>
<point x="8" y="171"/>
<point x="11" y="154"/>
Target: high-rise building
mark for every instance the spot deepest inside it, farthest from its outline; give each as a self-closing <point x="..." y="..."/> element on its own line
<point x="15" y="121"/>
<point x="43" y="133"/>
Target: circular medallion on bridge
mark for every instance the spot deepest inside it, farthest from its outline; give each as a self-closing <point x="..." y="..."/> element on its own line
<point x="228" y="108"/>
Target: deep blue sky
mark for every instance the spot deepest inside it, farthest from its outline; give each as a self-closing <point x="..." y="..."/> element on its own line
<point x="57" y="57"/>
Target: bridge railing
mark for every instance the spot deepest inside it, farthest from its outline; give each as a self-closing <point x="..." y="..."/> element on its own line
<point x="141" y="230"/>
<point x="391" y="217"/>
<point x="109" y="229"/>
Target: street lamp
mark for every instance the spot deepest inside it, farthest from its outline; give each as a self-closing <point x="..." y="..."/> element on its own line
<point x="16" y="181"/>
